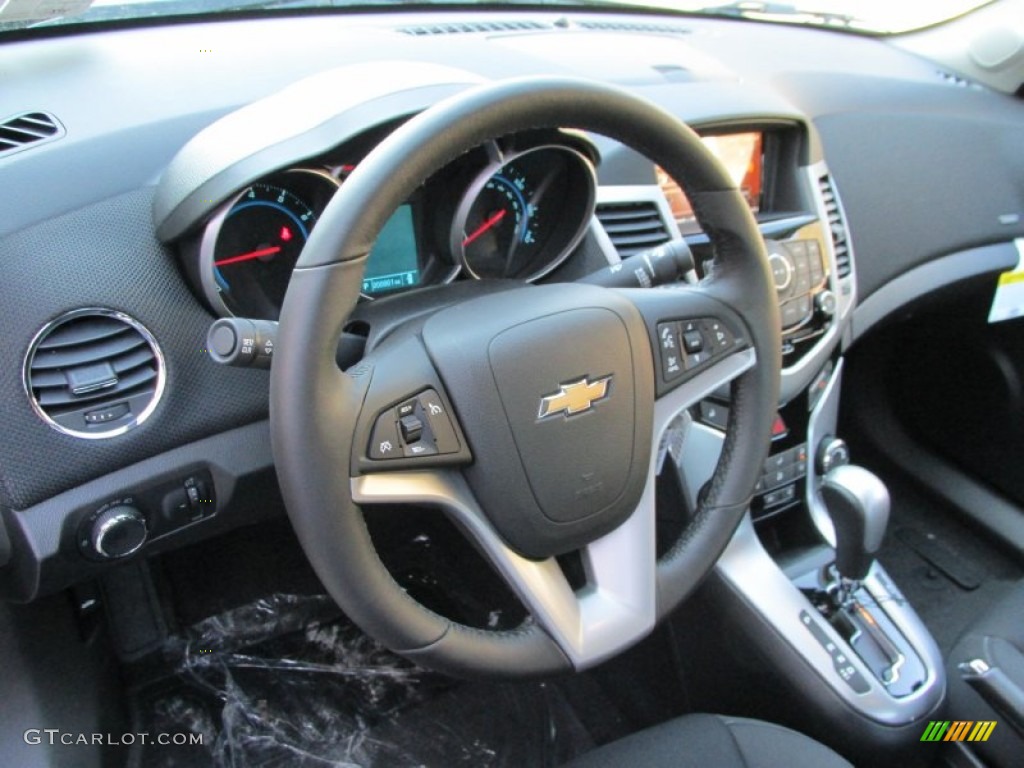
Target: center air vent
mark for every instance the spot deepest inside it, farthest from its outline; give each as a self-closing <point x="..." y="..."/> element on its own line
<point x="837" y="226"/>
<point x="29" y="129"/>
<point x="633" y="227"/>
<point x="94" y="373"/>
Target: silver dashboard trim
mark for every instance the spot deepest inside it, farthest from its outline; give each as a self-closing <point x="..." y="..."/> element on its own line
<point x="932" y="276"/>
<point x="154" y="346"/>
<point x="769" y="592"/>
<point x="824" y="420"/>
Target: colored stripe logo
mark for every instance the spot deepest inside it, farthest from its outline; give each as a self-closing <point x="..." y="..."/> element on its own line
<point x="958" y="730"/>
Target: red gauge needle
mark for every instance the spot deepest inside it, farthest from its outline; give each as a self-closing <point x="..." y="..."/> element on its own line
<point x="492" y="221"/>
<point x="247" y="256"/>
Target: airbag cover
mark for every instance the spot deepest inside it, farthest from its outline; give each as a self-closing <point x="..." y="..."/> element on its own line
<point x="571" y="408"/>
<point x="553" y="387"/>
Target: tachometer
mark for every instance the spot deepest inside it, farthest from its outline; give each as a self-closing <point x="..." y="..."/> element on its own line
<point x="252" y="244"/>
<point x="524" y="214"/>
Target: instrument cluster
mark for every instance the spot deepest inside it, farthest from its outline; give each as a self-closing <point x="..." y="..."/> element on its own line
<point x="514" y="209"/>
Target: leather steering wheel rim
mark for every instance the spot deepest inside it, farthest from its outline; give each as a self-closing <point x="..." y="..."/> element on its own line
<point x="315" y="407"/>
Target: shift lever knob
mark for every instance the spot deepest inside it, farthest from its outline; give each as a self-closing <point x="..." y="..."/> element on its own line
<point x="858" y="503"/>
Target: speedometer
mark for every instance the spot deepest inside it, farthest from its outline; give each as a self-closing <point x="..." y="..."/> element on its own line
<point x="524" y="214"/>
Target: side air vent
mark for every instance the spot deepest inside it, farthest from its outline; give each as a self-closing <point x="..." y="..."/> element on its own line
<point x="28" y="129"/>
<point x="632" y="227"/>
<point x="94" y="373"/>
<point x="471" y="27"/>
<point x="836" y="225"/>
<point x="625" y="26"/>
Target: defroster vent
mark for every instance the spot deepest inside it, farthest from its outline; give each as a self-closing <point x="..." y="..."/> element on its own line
<point x="837" y="226"/>
<point x="471" y="27"/>
<point x="633" y="227"/>
<point x="94" y="373"/>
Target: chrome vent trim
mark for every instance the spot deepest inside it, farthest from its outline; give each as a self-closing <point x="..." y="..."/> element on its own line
<point x="836" y="225"/>
<point x="94" y="373"/>
<point x="473" y="27"/>
<point x="29" y="129"/>
<point x="633" y="227"/>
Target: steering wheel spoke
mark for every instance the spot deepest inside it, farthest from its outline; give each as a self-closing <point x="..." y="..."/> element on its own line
<point x="611" y="612"/>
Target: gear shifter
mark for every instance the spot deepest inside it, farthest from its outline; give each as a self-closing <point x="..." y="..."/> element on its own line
<point x="858" y="503"/>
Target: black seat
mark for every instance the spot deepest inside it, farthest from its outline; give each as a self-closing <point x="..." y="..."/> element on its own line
<point x="713" y="741"/>
<point x="997" y="640"/>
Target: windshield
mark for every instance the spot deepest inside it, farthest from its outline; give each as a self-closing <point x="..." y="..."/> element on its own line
<point x="868" y="16"/>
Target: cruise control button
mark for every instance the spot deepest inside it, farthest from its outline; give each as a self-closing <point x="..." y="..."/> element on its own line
<point x="422" y="448"/>
<point x="384" y="443"/>
<point x="411" y="428"/>
<point x="440" y="422"/>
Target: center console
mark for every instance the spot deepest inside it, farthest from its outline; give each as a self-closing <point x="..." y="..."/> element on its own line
<point x="804" y="595"/>
<point x="853" y="651"/>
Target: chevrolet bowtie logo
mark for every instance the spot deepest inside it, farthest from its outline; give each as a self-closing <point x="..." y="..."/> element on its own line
<point x="574" y="398"/>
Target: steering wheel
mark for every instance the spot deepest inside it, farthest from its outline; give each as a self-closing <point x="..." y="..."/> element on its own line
<point x="532" y="417"/>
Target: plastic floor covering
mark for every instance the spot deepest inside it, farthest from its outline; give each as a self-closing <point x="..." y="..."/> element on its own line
<point x="287" y="681"/>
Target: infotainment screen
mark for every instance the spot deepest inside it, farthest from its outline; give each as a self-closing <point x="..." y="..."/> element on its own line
<point x="393" y="263"/>
<point x="741" y="154"/>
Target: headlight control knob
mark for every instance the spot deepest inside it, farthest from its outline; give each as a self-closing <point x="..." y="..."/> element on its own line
<point x="118" y="532"/>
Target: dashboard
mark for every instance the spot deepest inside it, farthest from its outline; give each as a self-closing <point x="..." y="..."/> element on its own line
<point x="187" y="196"/>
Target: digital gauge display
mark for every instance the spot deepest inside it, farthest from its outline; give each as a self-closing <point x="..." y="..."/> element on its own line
<point x="393" y="264"/>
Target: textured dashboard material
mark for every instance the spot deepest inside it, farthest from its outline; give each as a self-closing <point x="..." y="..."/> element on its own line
<point x="105" y="255"/>
<point x="923" y="170"/>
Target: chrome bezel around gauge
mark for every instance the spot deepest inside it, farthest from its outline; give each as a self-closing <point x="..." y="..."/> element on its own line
<point x="208" y="242"/>
<point x="549" y="256"/>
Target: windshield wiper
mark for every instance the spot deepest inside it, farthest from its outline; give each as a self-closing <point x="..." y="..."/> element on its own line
<point x="751" y="9"/>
